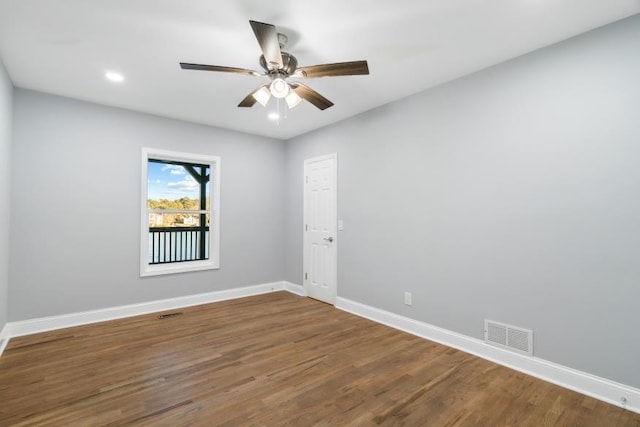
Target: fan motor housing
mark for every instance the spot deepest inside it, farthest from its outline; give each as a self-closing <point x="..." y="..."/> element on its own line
<point x="289" y="64"/>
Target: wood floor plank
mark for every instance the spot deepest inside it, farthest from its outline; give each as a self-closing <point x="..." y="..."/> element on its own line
<point x="274" y="360"/>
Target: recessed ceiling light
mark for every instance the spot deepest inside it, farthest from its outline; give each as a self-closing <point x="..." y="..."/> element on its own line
<point x="114" y="77"/>
<point x="273" y="116"/>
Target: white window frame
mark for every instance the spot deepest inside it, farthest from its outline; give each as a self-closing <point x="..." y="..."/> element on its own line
<point x="213" y="262"/>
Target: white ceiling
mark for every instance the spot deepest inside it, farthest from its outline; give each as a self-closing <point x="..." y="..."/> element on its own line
<point x="66" y="46"/>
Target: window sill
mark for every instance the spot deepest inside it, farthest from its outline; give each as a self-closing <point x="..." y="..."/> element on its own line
<point x="162" y="269"/>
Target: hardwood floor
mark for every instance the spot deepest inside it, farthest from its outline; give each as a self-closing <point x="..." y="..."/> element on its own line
<point x="273" y="359"/>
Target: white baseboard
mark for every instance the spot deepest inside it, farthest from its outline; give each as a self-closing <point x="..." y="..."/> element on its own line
<point x="295" y="289"/>
<point x="4" y="338"/>
<point x="43" y="324"/>
<point x="581" y="382"/>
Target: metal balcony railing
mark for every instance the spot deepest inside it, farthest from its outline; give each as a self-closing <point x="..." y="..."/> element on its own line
<point x="178" y="244"/>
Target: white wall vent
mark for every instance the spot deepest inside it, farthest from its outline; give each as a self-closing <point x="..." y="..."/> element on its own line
<point x="509" y="337"/>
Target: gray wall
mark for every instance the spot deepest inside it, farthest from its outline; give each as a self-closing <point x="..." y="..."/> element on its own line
<point x="76" y="206"/>
<point x="511" y="194"/>
<point x="6" y="108"/>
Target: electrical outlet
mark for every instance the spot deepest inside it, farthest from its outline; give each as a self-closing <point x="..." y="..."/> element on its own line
<point x="407" y="298"/>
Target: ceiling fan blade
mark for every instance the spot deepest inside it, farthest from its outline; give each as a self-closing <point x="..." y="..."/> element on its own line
<point x="250" y="99"/>
<point x="186" y="66"/>
<point x="268" y="40"/>
<point x="311" y="95"/>
<point x="352" y="68"/>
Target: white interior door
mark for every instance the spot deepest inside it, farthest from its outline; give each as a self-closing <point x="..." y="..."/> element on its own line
<point x="320" y="224"/>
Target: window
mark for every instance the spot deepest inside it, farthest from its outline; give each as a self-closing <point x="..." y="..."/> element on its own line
<point x="180" y="223"/>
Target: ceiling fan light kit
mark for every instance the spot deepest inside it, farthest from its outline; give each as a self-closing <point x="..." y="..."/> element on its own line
<point x="279" y="66"/>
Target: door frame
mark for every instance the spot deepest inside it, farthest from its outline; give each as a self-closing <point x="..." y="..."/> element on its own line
<point x="305" y="255"/>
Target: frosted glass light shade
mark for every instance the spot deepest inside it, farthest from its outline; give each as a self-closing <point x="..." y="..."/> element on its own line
<point x="262" y="95"/>
<point x="293" y="99"/>
<point x="279" y="88"/>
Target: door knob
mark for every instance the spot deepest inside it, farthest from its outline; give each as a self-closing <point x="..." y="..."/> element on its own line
<point x="328" y="239"/>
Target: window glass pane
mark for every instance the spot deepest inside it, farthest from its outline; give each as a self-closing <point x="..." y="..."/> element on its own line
<point x="173" y="186"/>
<point x="175" y="236"/>
<point x="173" y="220"/>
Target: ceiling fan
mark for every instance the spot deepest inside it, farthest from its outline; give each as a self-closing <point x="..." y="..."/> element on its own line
<point x="279" y="66"/>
